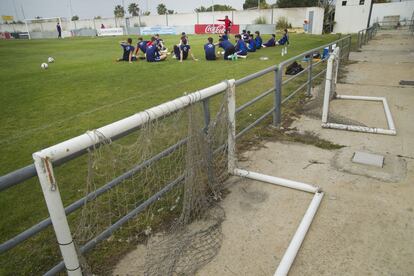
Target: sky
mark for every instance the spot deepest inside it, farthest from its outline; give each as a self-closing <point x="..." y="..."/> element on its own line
<point x="104" y="8"/>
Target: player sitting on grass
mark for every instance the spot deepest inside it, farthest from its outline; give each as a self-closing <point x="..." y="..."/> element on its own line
<point x="210" y="49"/>
<point x="251" y="46"/>
<point x="128" y="51"/>
<point x="225" y="36"/>
<point x="228" y="48"/>
<point x="271" y="42"/>
<point x="241" y="49"/>
<point x="285" y="39"/>
<point x="160" y="44"/>
<point x="183" y="50"/>
<point x="258" y="40"/>
<point x="153" y="53"/>
<point x="141" y="45"/>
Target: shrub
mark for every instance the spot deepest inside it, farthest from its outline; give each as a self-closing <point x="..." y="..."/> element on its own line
<point x="260" y="20"/>
<point x="283" y="23"/>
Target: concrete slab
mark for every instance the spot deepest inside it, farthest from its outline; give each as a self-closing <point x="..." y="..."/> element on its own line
<point x="370" y="159"/>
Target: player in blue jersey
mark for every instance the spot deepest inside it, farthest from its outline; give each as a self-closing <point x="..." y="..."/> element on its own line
<point x="128" y="51"/>
<point x="141" y="46"/>
<point x="258" y="40"/>
<point x="285" y="39"/>
<point x="182" y="50"/>
<point x="251" y="46"/>
<point x="271" y="42"/>
<point x="153" y="53"/>
<point x="210" y="49"/>
<point x="228" y="47"/>
<point x="225" y="36"/>
<point x="160" y="44"/>
<point x="240" y="47"/>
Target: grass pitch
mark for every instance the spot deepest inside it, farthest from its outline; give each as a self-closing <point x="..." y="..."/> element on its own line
<point x="85" y="89"/>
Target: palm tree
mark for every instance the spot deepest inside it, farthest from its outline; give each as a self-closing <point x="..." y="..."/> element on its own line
<point x="161" y="9"/>
<point x="133" y="9"/>
<point x="119" y="11"/>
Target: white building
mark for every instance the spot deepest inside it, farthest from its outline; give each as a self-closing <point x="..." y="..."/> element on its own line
<point x="351" y="15"/>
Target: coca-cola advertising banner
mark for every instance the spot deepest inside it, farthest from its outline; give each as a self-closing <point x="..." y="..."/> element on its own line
<point x="215" y="29"/>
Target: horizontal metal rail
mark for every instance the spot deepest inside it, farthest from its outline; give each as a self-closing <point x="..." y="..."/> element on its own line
<point x="249" y="127"/>
<point x="256" y="75"/>
<point x="249" y="103"/>
<point x="302" y="72"/>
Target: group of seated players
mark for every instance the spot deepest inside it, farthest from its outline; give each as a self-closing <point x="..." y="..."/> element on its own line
<point x="155" y="50"/>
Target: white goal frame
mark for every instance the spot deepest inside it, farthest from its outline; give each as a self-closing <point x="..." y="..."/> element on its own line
<point x="330" y="84"/>
<point x="27" y="21"/>
<point x="43" y="162"/>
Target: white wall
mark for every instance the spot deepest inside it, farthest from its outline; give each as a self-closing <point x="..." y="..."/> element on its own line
<point x="352" y="17"/>
<point x="403" y="9"/>
<point x="295" y="16"/>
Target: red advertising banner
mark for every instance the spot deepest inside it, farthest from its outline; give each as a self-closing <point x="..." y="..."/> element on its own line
<point x="215" y="29"/>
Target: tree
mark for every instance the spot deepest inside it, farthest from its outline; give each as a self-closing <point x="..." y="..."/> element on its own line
<point x="161" y="9"/>
<point x="133" y="9"/>
<point x="119" y="11"/>
<point x="170" y="11"/>
<point x="75" y="18"/>
<point x="97" y="17"/>
<point x="216" y="8"/>
<point x="201" y="9"/>
<point x="296" y="3"/>
<point x="251" y="4"/>
<point x="146" y="13"/>
<point x="381" y="1"/>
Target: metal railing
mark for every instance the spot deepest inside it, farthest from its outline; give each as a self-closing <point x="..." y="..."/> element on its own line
<point x="19" y="176"/>
<point x="366" y="35"/>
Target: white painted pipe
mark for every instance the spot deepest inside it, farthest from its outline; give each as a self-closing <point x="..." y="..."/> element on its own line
<point x="328" y="85"/>
<point x="362" y="98"/>
<point x="296" y="242"/>
<point x="91" y="138"/>
<point x="359" y="128"/>
<point x="390" y="121"/>
<point x="57" y="215"/>
<point x="277" y="181"/>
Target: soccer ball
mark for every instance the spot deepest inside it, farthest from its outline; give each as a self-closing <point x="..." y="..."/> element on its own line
<point x="44" y="66"/>
<point x="50" y="60"/>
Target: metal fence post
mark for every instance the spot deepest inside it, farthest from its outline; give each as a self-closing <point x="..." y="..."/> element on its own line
<point x="278" y="97"/>
<point x="310" y="66"/>
<point x="349" y="48"/>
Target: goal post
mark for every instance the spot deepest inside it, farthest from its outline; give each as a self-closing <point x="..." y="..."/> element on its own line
<point x="46" y="25"/>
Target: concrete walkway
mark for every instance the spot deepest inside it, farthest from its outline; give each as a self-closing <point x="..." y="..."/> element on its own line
<point x="365" y="224"/>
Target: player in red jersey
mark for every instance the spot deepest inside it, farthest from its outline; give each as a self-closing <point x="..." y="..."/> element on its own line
<point x="227" y="23"/>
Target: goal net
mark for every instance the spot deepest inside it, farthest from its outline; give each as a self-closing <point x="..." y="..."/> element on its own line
<point x="46" y="27"/>
<point x="182" y="227"/>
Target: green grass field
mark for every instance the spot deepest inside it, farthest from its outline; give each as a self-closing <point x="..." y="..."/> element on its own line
<point x="85" y="89"/>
